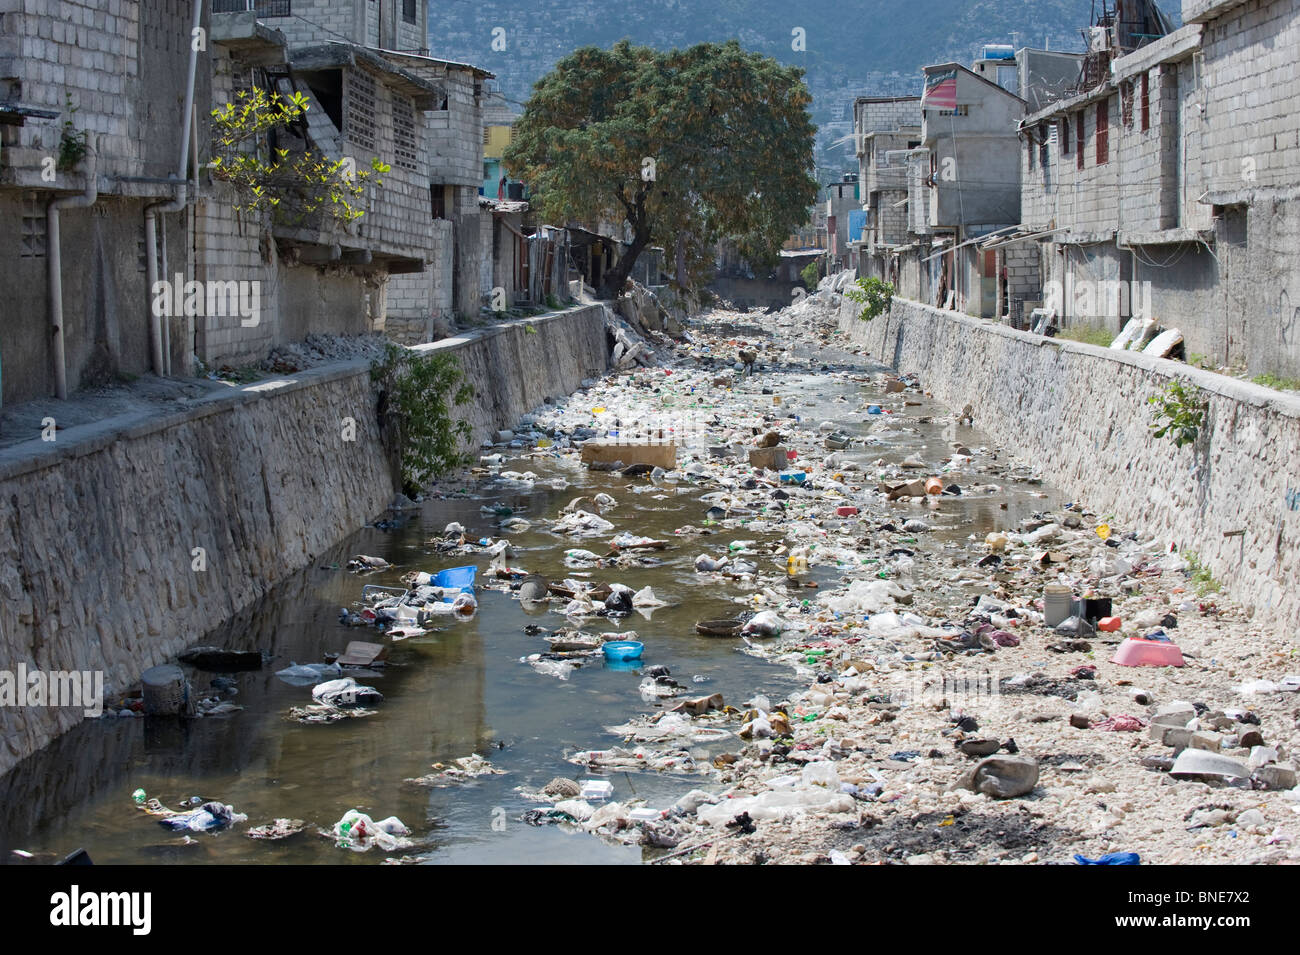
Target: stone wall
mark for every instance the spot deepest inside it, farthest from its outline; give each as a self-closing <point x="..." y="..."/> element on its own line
<point x="1081" y="413"/>
<point x="99" y="530"/>
<point x="514" y="371"/>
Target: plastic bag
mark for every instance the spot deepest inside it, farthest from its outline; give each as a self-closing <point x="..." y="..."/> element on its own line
<point x="209" y="816"/>
<point x="346" y="692"/>
<point x="308" y="674"/>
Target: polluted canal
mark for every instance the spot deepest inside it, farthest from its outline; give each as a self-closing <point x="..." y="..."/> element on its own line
<point x="478" y="720"/>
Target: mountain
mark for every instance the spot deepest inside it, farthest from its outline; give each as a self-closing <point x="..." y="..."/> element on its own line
<point x="849" y="48"/>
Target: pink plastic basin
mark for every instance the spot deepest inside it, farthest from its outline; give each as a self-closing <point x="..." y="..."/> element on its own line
<point x="1134" y="652"/>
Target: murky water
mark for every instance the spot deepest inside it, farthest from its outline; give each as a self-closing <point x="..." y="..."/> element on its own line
<point x="447" y="694"/>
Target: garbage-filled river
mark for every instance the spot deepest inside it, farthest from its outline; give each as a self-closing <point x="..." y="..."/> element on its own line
<point x="466" y="687"/>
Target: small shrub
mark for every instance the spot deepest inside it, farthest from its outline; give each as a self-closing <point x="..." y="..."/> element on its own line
<point x="1203" y="581"/>
<point x="811" y="275"/>
<point x="417" y="395"/>
<point x="1269" y="380"/>
<point x="874" y="295"/>
<point x="1179" y="413"/>
<point x="72" y="145"/>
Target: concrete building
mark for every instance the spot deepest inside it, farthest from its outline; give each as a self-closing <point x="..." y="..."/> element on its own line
<point x="498" y="128"/>
<point x="1173" y="174"/>
<point x="106" y="187"/>
<point x="963" y="186"/>
<point x="91" y="105"/>
<point x="841" y="201"/>
<point x="942" y="182"/>
<point x="885" y="130"/>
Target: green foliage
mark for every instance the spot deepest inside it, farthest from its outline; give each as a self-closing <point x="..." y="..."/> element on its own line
<point x="727" y="132"/>
<point x="552" y="302"/>
<point x="72" y="144"/>
<point x="1088" y="334"/>
<point x="417" y="395"/>
<point x="1179" y="413"/>
<point x="875" y="297"/>
<point x="1202" y="579"/>
<point x="1269" y="380"/>
<point x="811" y="274"/>
<point x="294" y="185"/>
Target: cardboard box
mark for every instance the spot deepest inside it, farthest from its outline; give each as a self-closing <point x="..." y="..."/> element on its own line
<point x="774" y="459"/>
<point x="606" y="452"/>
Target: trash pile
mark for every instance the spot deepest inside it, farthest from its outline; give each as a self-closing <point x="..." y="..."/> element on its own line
<point x="357" y="832"/>
<point x="200" y="816"/>
<point x="457" y="771"/>
<point x="969" y="643"/>
<point x="336" y="696"/>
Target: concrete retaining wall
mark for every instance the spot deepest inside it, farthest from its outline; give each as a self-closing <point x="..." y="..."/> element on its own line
<point x="513" y="369"/>
<point x="98" y="530"/>
<point x="1081" y="412"/>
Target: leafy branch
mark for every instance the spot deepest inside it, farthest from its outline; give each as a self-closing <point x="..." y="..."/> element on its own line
<point x="1179" y="413"/>
<point x="874" y="295"/>
<point x="281" y="180"/>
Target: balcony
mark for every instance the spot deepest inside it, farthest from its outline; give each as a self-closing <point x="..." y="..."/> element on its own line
<point x="263" y="8"/>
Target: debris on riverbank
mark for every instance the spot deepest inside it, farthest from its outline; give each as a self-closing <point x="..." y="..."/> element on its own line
<point x="952" y="713"/>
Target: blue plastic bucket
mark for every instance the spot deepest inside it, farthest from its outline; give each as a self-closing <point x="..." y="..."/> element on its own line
<point x="623" y="650"/>
<point x="460" y="577"/>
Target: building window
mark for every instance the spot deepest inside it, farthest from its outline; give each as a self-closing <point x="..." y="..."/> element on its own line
<point x="1103" y="132"/>
<point x="404" y="149"/>
<point x="1065" y="137"/>
<point x="438" y="200"/>
<point x="1029" y="142"/>
<point x="359" y="109"/>
<point x="1042" y="145"/>
<point x="962" y="110"/>
<point x="408" y="11"/>
<point x="33" y="240"/>
<point x="1146" y="102"/>
<point x="1126" y="104"/>
<point x="1079" y="139"/>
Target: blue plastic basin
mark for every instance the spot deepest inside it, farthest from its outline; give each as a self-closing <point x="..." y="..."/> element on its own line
<point x="623" y="650"/>
<point x="459" y="577"/>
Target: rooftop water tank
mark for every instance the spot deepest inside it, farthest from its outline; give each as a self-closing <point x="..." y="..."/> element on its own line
<point x="998" y="51"/>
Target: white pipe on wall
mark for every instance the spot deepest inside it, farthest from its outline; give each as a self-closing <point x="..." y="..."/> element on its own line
<point x="162" y="361"/>
<point x="54" y="260"/>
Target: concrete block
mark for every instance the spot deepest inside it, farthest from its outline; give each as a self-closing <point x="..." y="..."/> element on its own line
<point x="656" y="455"/>
<point x="1279" y="776"/>
<point x="773" y="459"/>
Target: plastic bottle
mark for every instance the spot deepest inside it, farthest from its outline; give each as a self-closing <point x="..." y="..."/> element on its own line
<point x="139" y="796"/>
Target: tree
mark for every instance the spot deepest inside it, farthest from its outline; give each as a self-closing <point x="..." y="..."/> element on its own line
<point x="685" y="147"/>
